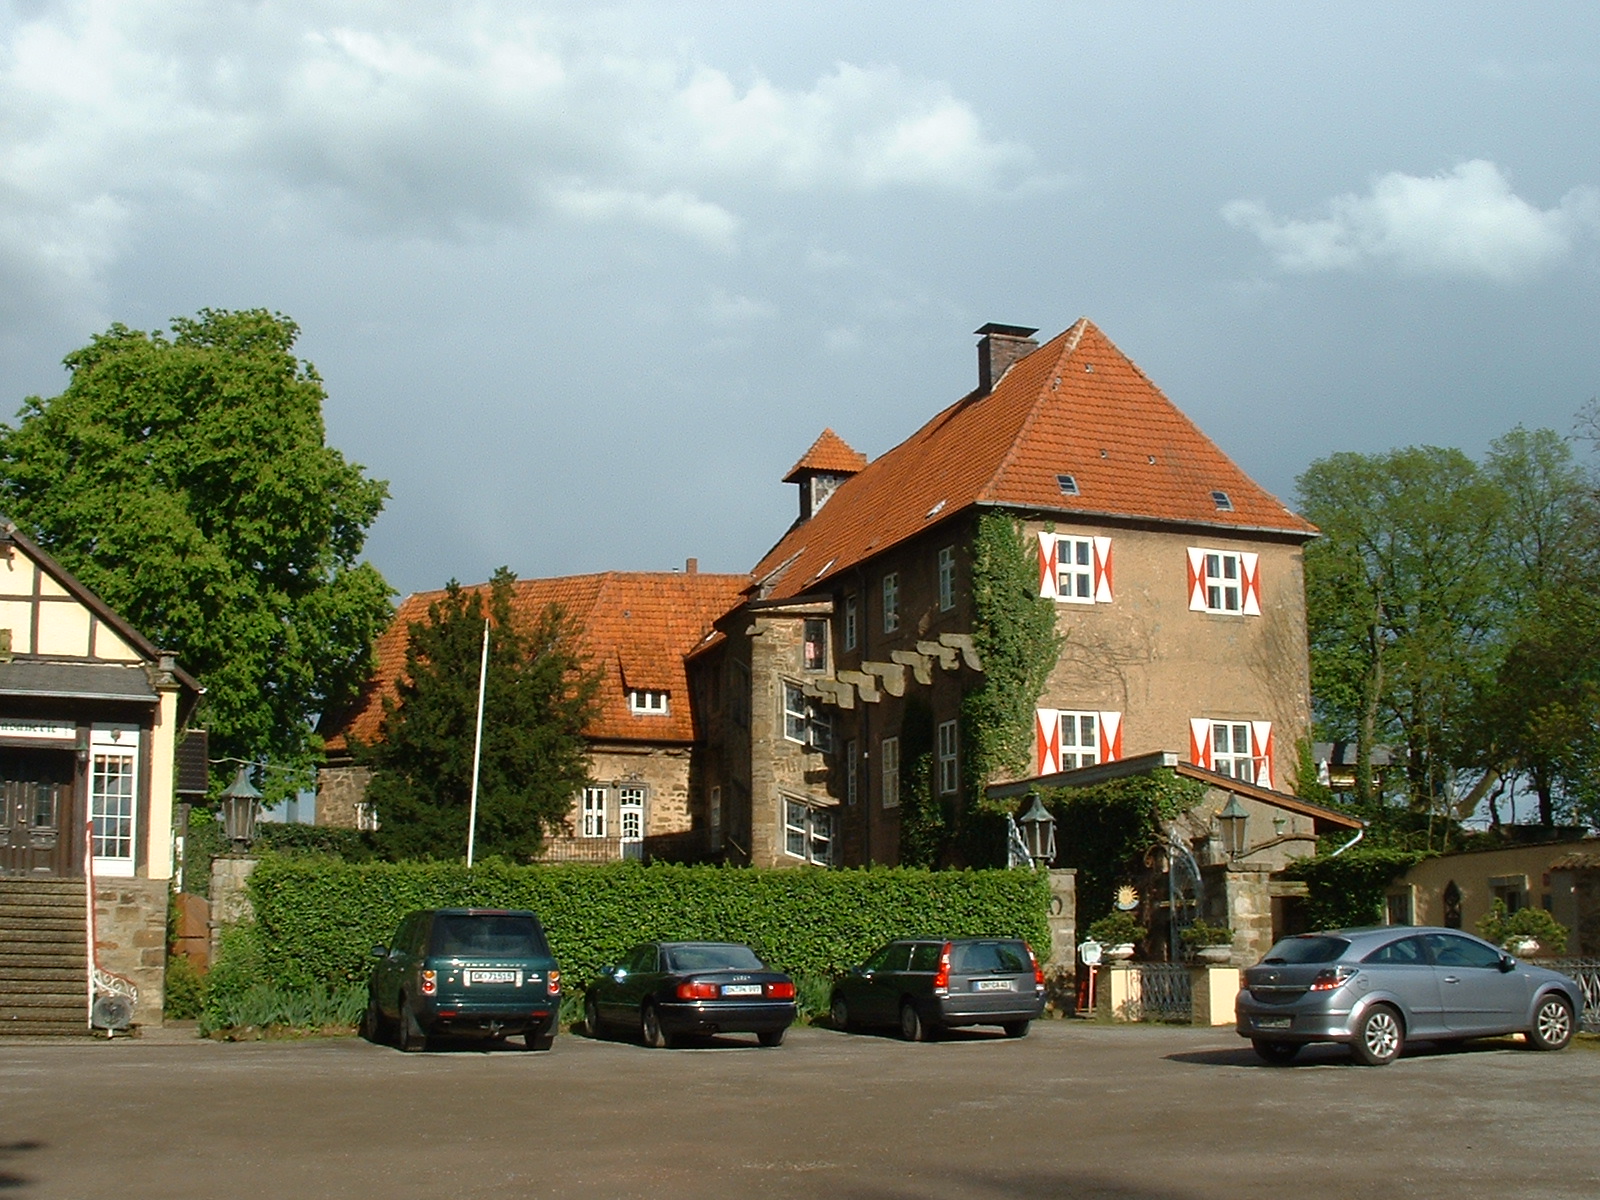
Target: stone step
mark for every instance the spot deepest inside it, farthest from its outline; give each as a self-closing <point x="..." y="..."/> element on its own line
<point x="18" y="958"/>
<point x="47" y="1025"/>
<point x="32" y="935"/>
<point x="21" y="994"/>
<point x="58" y="974"/>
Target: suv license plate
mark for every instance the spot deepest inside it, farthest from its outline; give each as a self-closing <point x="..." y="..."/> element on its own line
<point x="992" y="985"/>
<point x="494" y="977"/>
<point x="741" y="989"/>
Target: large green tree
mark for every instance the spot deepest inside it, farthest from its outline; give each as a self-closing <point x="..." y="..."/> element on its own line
<point x="539" y="697"/>
<point x="186" y="480"/>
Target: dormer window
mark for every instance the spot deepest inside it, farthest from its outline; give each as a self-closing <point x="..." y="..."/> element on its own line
<point x="1221" y="500"/>
<point x="1067" y="484"/>
<point x="643" y="702"/>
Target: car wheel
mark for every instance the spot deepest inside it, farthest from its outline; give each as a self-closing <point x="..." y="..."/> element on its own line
<point x="650" y="1028"/>
<point x="1379" y="1037"/>
<point x="591" y="1017"/>
<point x="912" y="1026"/>
<point x="1552" y="1024"/>
<point x="372" y="1023"/>
<point x="413" y="1039"/>
<point x="1279" y="1054"/>
<point x="839" y="1013"/>
<point x="771" y="1037"/>
<point x="536" y="1040"/>
<point x="1016" y="1029"/>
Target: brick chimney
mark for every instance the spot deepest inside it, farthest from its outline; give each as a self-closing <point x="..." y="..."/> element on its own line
<point x="1001" y="346"/>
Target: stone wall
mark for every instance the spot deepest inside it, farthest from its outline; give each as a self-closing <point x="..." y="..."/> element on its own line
<point x="130" y="931"/>
<point x="230" y="901"/>
<point x="339" y="790"/>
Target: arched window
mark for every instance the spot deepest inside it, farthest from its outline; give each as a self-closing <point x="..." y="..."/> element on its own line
<point x="1452" y="905"/>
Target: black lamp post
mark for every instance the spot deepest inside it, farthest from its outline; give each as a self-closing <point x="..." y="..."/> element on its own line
<point x="1038" y="831"/>
<point x="239" y="812"/>
<point x="1233" y="819"/>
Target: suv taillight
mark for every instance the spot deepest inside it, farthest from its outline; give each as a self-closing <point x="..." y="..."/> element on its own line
<point x="941" y="977"/>
<point x="430" y="982"/>
<point x="554" y="977"/>
<point x="1038" y="971"/>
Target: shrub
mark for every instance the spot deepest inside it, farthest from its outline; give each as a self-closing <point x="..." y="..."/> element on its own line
<point x="1349" y="890"/>
<point x="1116" y="929"/>
<point x="1200" y="934"/>
<point x="184" y="997"/>
<point x="1501" y="927"/>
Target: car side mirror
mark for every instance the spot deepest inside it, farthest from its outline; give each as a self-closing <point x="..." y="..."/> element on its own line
<point x="380" y="952"/>
<point x="1507" y="963"/>
<point x="619" y="974"/>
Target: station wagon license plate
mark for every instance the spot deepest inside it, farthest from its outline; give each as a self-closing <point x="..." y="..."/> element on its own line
<point x="1273" y="1022"/>
<point x="493" y="976"/>
<point x="992" y="985"/>
<point x="741" y="989"/>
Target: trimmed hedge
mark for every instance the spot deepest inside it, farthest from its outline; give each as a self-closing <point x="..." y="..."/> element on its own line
<point x="317" y="920"/>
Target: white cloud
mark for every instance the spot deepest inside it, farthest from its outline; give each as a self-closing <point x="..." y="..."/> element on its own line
<point x="1466" y="221"/>
<point x="679" y="212"/>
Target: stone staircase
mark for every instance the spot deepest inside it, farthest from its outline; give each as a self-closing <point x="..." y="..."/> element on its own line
<point x="43" y="960"/>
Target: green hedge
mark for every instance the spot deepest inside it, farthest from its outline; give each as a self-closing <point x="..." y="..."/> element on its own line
<point x="317" y="920"/>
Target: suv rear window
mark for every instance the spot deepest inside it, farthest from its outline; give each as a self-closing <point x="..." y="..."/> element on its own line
<point x="975" y="957"/>
<point x="488" y="935"/>
<point x="1309" y="949"/>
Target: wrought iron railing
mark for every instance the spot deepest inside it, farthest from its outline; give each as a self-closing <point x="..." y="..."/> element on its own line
<point x="1165" y="992"/>
<point x="1587" y="972"/>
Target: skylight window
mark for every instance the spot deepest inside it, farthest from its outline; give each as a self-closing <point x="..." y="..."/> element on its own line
<point x="1067" y="484"/>
<point x="646" y="702"/>
<point x="1221" y="500"/>
<point x="935" y="510"/>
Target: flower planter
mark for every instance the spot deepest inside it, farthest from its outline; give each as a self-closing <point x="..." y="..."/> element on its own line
<point x="1216" y="955"/>
<point x="1119" y="953"/>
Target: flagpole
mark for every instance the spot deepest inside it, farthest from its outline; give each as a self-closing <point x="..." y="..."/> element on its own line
<point x="477" y="744"/>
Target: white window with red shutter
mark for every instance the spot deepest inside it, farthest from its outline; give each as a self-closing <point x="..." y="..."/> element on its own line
<point x="1075" y="570"/>
<point x="1224" y="581"/>
<point x="1239" y="749"/>
<point x="1066" y="739"/>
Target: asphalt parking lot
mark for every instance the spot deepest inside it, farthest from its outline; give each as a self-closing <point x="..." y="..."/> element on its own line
<point x="1074" y="1109"/>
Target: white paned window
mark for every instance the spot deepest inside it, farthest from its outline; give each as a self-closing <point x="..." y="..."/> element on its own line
<point x="630" y="813"/>
<point x="850" y="622"/>
<point x="646" y="703"/>
<point x="594" y="812"/>
<point x="1224" y="587"/>
<point x="1224" y="581"/>
<point x="1080" y="740"/>
<point x="947" y="758"/>
<point x="816" y="644"/>
<point x="891" y="602"/>
<point x="807" y="833"/>
<point x="1075" y="570"/>
<point x="794" y="713"/>
<point x="1230" y="750"/>
<point x="113" y="797"/>
<point x="889" y="764"/>
<point x="947" y="579"/>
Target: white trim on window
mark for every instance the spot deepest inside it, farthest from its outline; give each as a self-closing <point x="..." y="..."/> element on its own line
<point x="114" y="797"/>
<point x="949" y="778"/>
<point x="1239" y="749"/>
<point x="630" y="813"/>
<point x="889" y="766"/>
<point x="891" y="602"/>
<point x="850" y="607"/>
<point x="807" y="832"/>
<point x="1224" y="581"/>
<point x="646" y="702"/>
<point x="1075" y="570"/>
<point x="947" y="578"/>
<point x="593" y="813"/>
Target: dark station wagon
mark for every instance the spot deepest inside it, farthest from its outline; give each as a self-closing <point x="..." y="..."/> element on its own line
<point x="923" y="985"/>
<point x="473" y="971"/>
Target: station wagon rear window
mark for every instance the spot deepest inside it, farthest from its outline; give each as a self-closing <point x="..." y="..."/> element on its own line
<point x="482" y="935"/>
<point x="989" y="956"/>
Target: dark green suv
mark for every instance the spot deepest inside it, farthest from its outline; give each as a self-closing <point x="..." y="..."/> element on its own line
<point x="484" y="971"/>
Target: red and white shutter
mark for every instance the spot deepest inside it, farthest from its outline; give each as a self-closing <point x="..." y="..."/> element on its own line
<point x="1048" y="585"/>
<point x="1102" y="570"/>
<point x="1110" y="736"/>
<point x="1197" y="579"/>
<point x="1250" y="569"/>
<point x="1200" y="742"/>
<point x="1261" y="752"/>
<point x="1046" y="741"/>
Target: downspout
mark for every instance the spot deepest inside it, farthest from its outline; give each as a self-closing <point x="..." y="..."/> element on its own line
<point x="1360" y="833"/>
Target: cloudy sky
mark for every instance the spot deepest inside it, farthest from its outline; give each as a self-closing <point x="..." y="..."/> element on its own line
<point x="585" y="280"/>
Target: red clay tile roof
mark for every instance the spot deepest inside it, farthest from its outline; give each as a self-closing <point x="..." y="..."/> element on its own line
<point x="1075" y="406"/>
<point x="638" y="626"/>
<point x="829" y="454"/>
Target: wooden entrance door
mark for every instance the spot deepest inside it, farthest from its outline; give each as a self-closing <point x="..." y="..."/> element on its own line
<point x="38" y="819"/>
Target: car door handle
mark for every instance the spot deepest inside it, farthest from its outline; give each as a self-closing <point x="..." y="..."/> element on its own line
<point x="1452" y="979"/>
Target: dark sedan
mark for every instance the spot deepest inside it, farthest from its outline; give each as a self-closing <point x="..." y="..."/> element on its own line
<point x="667" y="991"/>
<point x="1376" y="989"/>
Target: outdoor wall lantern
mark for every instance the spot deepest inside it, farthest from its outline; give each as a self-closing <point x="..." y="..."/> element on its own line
<point x="1233" y="819"/>
<point x="1038" y="831"/>
<point x="81" y="749"/>
<point x="239" y="812"/>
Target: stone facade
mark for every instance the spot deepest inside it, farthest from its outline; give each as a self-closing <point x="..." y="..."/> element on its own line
<point x="341" y="793"/>
<point x="130" y="934"/>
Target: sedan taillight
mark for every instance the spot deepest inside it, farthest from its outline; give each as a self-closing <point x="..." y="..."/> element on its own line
<point x="783" y="990"/>
<point x="1331" y="978"/>
<point x="696" y="990"/>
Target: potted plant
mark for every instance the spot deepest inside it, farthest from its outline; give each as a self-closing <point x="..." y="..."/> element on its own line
<point x="1524" y="931"/>
<point x="1208" y="943"/>
<point x="1117" y="932"/>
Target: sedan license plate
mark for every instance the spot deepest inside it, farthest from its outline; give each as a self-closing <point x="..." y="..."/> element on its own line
<point x="741" y="989"/>
<point x="1273" y="1022"/>
<point x="992" y="985"/>
<point x="498" y="976"/>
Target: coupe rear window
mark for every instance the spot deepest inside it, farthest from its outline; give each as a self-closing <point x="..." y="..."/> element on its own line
<point x="714" y="958"/>
<point x="1311" y="949"/>
<point x="488" y="936"/>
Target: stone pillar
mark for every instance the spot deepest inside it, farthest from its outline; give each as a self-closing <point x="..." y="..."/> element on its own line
<point x="130" y="932"/>
<point x="1063" y="951"/>
<point x="1248" y="888"/>
<point x="1214" y="989"/>
<point x="1119" y="991"/>
<point x="230" y="899"/>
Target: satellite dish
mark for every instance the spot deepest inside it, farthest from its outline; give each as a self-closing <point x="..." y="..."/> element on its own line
<point x="111" y="1012"/>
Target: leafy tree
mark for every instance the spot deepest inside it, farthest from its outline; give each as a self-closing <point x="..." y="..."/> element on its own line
<point x="186" y="480"/>
<point x="539" y="697"/>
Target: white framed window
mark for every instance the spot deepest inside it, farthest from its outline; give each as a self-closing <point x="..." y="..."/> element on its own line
<point x="113" y="796"/>
<point x="891" y="602"/>
<point x="1400" y="907"/>
<point x="644" y="702"/>
<point x="1080" y="740"/>
<point x="948" y="776"/>
<point x="816" y="644"/>
<point x="852" y="773"/>
<point x="594" y="812"/>
<point x="366" y="816"/>
<point x="850" y="622"/>
<point x="947" y="579"/>
<point x="1075" y="570"/>
<point x="889" y="764"/>
<point x="630" y="813"/>
<point x="1224" y="581"/>
<point x="1240" y="749"/>
<point x="819" y="725"/>
<point x="806" y="721"/>
<point x="807" y="832"/>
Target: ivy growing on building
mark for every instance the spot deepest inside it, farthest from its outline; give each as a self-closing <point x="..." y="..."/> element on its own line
<point x="924" y="824"/>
